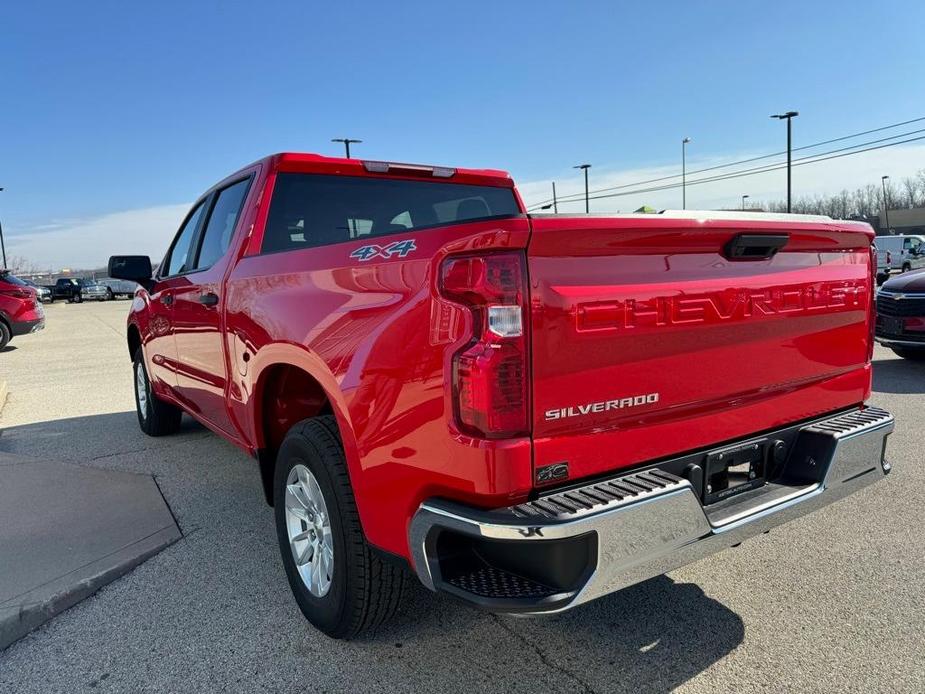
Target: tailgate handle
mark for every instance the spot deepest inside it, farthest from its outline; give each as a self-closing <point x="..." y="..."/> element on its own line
<point x="755" y="246"/>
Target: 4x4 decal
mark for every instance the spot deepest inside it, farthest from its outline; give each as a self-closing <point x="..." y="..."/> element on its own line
<point x="396" y="248"/>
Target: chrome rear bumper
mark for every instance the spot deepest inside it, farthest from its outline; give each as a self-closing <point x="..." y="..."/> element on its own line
<point x="570" y="547"/>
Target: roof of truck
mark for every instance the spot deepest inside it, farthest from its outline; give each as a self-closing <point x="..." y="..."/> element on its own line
<point x="307" y="162"/>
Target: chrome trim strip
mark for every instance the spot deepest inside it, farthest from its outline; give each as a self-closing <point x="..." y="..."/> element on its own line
<point x="659" y="530"/>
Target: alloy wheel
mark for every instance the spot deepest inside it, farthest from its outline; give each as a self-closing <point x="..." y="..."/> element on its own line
<point x="308" y="527"/>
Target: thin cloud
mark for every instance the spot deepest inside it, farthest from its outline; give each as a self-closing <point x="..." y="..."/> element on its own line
<point x="88" y="243"/>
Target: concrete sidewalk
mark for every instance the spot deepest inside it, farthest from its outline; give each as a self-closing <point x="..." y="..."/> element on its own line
<point x="66" y="531"/>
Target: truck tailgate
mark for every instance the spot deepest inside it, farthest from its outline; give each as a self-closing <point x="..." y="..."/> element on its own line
<point x="648" y="341"/>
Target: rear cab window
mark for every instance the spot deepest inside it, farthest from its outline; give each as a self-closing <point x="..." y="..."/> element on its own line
<point x="309" y="210"/>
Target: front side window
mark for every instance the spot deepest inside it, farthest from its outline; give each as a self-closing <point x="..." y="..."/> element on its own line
<point x="217" y="236"/>
<point x="315" y="210"/>
<point x="180" y="259"/>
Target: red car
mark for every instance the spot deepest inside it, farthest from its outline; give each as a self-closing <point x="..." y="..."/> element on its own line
<point x="901" y="315"/>
<point x="20" y="311"/>
<point x="524" y="411"/>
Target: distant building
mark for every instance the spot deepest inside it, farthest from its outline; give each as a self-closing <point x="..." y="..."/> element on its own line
<point x="902" y="221"/>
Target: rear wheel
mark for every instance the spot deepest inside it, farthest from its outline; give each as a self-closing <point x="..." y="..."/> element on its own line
<point x="339" y="584"/>
<point x="109" y="295"/>
<point x="906" y="267"/>
<point x="5" y="334"/>
<point x="155" y="417"/>
<point x="910" y="353"/>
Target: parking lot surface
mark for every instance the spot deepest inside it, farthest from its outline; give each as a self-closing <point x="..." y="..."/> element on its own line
<point x="831" y="602"/>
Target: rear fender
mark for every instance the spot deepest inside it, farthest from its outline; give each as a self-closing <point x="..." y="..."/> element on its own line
<point x="291" y="355"/>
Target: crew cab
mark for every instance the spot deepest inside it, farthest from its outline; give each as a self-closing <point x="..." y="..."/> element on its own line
<point x="20" y="310"/>
<point x="525" y="411"/>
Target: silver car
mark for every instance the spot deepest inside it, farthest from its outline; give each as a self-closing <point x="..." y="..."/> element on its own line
<point x="91" y="291"/>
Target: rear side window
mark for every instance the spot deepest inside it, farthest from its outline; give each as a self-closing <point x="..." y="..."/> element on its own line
<point x="316" y="210"/>
<point x="221" y="224"/>
<point x="180" y="259"/>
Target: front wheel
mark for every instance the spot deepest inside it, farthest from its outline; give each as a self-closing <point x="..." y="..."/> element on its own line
<point x="910" y="353"/>
<point x="155" y="417"/>
<point x="907" y="267"/>
<point x="339" y="584"/>
<point x="5" y="336"/>
<point x="78" y="298"/>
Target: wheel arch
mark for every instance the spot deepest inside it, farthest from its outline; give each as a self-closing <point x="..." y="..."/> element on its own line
<point x="288" y="388"/>
<point x="133" y="339"/>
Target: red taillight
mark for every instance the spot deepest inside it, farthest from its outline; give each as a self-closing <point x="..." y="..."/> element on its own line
<point x="17" y="293"/>
<point x="490" y="379"/>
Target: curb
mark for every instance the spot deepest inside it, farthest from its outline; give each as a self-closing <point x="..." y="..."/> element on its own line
<point x="52" y="556"/>
<point x="16" y="622"/>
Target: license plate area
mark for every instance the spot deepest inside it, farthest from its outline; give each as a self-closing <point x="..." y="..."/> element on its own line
<point x="735" y="470"/>
<point x="892" y="325"/>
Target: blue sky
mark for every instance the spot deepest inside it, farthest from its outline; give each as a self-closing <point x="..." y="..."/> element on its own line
<point x="119" y="107"/>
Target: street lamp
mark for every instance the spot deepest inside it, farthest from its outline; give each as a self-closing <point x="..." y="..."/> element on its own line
<point x="684" y="172"/>
<point x="347" y="141"/>
<point x="585" y="167"/>
<point x="790" y="115"/>
<point x="886" y="205"/>
<point x="2" y="247"/>
<point x="744" y="197"/>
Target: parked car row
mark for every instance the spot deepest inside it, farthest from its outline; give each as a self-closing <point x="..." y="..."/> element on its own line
<point x="76" y="290"/>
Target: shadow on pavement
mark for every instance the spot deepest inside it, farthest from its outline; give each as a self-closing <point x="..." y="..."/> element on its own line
<point x="900" y="376"/>
<point x="650" y="637"/>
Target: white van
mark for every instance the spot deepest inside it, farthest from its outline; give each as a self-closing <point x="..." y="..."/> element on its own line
<point x="907" y="251"/>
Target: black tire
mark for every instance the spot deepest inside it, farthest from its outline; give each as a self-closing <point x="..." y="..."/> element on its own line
<point x="910" y="353"/>
<point x="109" y="295"/>
<point x="365" y="590"/>
<point x="907" y="267"/>
<point x="5" y="334"/>
<point x="156" y="417"/>
<point x="78" y="298"/>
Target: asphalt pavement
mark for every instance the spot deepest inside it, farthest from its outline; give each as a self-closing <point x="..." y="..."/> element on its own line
<point x="831" y="602"/>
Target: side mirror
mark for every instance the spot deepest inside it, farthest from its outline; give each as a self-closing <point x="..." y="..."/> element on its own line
<point x="135" y="268"/>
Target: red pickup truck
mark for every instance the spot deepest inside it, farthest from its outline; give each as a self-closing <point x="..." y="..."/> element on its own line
<point x="526" y="411"/>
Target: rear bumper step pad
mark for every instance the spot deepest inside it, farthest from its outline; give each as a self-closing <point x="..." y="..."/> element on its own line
<point x="640" y="524"/>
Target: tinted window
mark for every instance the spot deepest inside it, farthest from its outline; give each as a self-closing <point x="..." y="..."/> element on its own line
<point x="313" y="210"/>
<point x="221" y="223"/>
<point x="180" y="257"/>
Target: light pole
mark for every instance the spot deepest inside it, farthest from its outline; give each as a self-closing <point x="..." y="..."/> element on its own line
<point x="684" y="172"/>
<point x="886" y="204"/>
<point x="2" y="247"/>
<point x="347" y="142"/>
<point x="744" y="197"/>
<point x="555" y="203"/>
<point x="789" y="116"/>
<point x="585" y="168"/>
